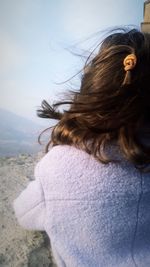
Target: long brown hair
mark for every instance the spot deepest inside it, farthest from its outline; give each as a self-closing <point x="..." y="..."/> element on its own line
<point x="110" y="105"/>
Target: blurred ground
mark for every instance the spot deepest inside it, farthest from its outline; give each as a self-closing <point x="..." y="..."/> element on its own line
<point x="18" y="247"/>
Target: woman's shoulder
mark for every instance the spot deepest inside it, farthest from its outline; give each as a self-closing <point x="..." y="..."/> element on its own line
<point x="62" y="172"/>
<point x="66" y="157"/>
<point x="62" y="158"/>
<point x="67" y="171"/>
<point x="64" y="153"/>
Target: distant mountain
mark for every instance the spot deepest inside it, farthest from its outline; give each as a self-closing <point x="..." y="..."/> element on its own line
<point x="18" y="134"/>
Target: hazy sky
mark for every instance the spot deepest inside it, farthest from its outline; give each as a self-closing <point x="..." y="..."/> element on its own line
<point x="36" y="37"/>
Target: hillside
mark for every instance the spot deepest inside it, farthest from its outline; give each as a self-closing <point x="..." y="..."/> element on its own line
<point x="18" y="134"/>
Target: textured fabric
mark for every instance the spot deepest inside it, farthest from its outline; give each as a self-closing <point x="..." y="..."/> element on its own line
<point x="96" y="215"/>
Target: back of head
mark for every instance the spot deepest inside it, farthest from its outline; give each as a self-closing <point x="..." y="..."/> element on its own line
<point x="113" y="102"/>
<point x="118" y="45"/>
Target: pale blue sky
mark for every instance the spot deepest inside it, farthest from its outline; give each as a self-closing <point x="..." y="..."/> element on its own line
<point x="35" y="39"/>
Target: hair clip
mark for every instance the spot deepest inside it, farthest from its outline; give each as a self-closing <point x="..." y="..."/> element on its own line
<point x="129" y="62"/>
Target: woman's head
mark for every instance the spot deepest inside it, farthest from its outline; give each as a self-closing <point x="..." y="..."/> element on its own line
<point x="124" y="94"/>
<point x="113" y="102"/>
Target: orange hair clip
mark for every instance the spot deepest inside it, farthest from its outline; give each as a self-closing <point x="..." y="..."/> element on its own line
<point x="129" y="62"/>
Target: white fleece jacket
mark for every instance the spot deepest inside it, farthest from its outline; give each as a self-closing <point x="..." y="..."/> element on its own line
<point x="95" y="215"/>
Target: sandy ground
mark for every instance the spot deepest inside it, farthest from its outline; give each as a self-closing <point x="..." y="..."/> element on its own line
<point x="18" y="247"/>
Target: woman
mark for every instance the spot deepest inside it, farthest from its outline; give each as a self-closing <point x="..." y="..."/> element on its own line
<point x="91" y="192"/>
